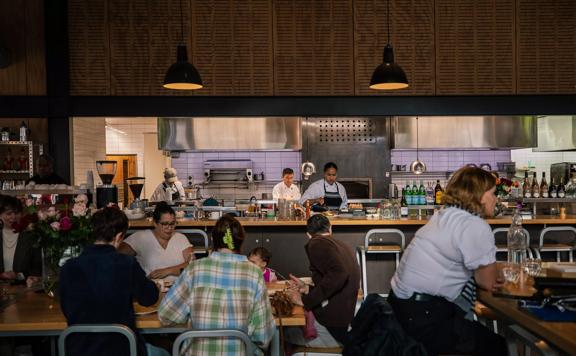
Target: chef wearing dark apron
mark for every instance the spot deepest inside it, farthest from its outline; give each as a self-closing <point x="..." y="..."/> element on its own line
<point x="327" y="194"/>
<point x="172" y="184"/>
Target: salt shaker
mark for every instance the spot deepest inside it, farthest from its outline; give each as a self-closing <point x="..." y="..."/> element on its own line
<point x="23" y="132"/>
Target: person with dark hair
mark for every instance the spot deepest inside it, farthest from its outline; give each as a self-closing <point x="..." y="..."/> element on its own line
<point x="99" y="287"/>
<point x="221" y="291"/>
<point x="162" y="252"/>
<point x="260" y="256"/>
<point x="21" y="260"/>
<point x="326" y="193"/>
<point x="286" y="189"/>
<point x="448" y="254"/>
<point x="336" y="279"/>
<point x="45" y="172"/>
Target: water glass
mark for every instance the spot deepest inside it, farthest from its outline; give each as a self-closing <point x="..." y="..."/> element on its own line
<point x="511" y="273"/>
<point x="533" y="266"/>
<point x="386" y="209"/>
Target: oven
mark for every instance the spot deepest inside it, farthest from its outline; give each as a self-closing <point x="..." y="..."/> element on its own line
<point x="357" y="188"/>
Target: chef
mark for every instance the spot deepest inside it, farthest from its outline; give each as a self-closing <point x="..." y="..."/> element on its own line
<point x="169" y="190"/>
<point x="327" y="193"/>
<point x="286" y="189"/>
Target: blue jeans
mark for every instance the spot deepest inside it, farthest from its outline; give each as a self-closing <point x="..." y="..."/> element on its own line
<point x="156" y="351"/>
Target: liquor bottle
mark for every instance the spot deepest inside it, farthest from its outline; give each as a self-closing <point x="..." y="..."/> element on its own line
<point x="429" y="194"/>
<point x="543" y="186"/>
<point x="421" y="193"/>
<point x="415" y="194"/>
<point x="403" y="204"/>
<point x="553" y="190"/>
<point x="561" y="189"/>
<point x="535" y="189"/>
<point x="407" y="192"/>
<point x="526" y="191"/>
<point x="438" y="193"/>
<point x="517" y="240"/>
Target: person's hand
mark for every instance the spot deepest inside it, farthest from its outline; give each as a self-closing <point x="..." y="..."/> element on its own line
<point x="162" y="273"/>
<point x="320" y="201"/>
<point x="8" y="275"/>
<point x="188" y="254"/>
<point x="297" y="285"/>
<point x="499" y="283"/>
<point x="33" y="281"/>
<point x="295" y="297"/>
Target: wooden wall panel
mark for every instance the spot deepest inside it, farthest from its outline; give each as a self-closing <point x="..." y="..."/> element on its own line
<point x="89" y="47"/>
<point x="22" y="34"/>
<point x="475" y="47"/>
<point x="546" y="47"/>
<point x="232" y="46"/>
<point x="412" y="37"/>
<point x="313" y="47"/>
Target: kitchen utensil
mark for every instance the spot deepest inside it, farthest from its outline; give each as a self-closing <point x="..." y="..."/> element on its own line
<point x="417" y="167"/>
<point x="308" y="168"/>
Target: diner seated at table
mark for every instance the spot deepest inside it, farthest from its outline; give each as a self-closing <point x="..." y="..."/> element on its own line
<point x="221" y="291"/>
<point x="260" y="256"/>
<point x="162" y="252"/>
<point x="99" y="287"/>
<point x="21" y="260"/>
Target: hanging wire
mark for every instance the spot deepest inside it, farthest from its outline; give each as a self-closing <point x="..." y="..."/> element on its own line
<point x="417" y="141"/>
<point x="181" y="24"/>
<point x="388" y="18"/>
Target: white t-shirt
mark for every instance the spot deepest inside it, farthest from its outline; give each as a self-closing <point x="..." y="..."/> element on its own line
<point x="9" y="242"/>
<point x="281" y="191"/>
<point x="444" y="254"/>
<point x="152" y="256"/>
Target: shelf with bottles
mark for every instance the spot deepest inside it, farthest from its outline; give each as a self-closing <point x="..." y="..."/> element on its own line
<point x="25" y="192"/>
<point x="17" y="157"/>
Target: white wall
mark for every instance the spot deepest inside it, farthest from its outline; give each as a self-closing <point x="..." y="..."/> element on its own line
<point x="89" y="145"/>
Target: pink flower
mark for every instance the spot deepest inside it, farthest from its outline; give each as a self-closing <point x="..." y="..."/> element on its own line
<point x="65" y="224"/>
<point x="55" y="226"/>
<point x="79" y="209"/>
<point x="29" y="202"/>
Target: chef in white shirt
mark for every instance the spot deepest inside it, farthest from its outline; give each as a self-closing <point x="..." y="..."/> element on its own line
<point x="327" y="193"/>
<point x="169" y="190"/>
<point x="286" y="189"/>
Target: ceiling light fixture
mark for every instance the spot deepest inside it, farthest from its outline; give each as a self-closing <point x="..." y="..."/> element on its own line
<point x="388" y="75"/>
<point x="182" y="75"/>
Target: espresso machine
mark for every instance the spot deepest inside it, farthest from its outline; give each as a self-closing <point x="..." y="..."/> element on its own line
<point x="107" y="192"/>
<point x="136" y="184"/>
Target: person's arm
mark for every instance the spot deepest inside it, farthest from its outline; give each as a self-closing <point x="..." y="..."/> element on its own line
<point x="126" y="249"/>
<point x="187" y="249"/>
<point x="311" y="193"/>
<point x="167" y="271"/>
<point x="261" y="325"/>
<point x="145" y="291"/>
<point x="174" y="307"/>
<point x="158" y="194"/>
<point x="180" y="189"/>
<point x="276" y="192"/>
<point x="324" y="255"/>
<point x="344" y="197"/>
<point x="487" y="277"/>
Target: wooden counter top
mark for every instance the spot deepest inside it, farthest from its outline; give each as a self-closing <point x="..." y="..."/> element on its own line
<point x="539" y="219"/>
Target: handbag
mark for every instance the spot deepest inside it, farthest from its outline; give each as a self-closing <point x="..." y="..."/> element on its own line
<point x="309" y="330"/>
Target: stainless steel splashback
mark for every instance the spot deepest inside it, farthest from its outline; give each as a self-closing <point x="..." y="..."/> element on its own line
<point x="556" y="133"/>
<point x="465" y="132"/>
<point x="229" y="133"/>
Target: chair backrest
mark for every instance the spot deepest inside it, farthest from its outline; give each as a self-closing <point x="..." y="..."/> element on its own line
<point x="214" y="333"/>
<point x="555" y="228"/>
<point x="499" y="230"/>
<point x="396" y="232"/>
<point x="197" y="237"/>
<point x="98" y="328"/>
<point x="130" y="232"/>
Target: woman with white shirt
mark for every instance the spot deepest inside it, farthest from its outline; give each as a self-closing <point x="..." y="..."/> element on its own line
<point x="286" y="189"/>
<point x="162" y="252"/>
<point x="327" y="193"/>
<point x="455" y="245"/>
<point x="20" y="259"/>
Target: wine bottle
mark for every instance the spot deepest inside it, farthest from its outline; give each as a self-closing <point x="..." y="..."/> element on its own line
<point x="553" y="190"/>
<point x="526" y="191"/>
<point x="403" y="204"/>
<point x="535" y="189"/>
<point x="407" y="192"/>
<point x="543" y="186"/>
<point x="561" y="189"/>
<point x="438" y="193"/>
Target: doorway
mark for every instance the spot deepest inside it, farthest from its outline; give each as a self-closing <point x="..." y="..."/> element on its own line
<point x="126" y="168"/>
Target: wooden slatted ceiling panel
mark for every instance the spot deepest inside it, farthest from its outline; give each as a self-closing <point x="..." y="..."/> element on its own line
<point x="232" y="46"/>
<point x="13" y="38"/>
<point x="313" y="47"/>
<point x="412" y="37"/>
<point x="35" y="58"/>
<point x="475" y="47"/>
<point x="89" y="47"/>
<point x="546" y="47"/>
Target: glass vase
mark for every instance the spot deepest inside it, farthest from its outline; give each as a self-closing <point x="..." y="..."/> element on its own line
<point x="50" y="271"/>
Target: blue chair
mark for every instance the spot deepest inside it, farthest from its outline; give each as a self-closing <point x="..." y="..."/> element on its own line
<point x="215" y="333"/>
<point x="98" y="328"/>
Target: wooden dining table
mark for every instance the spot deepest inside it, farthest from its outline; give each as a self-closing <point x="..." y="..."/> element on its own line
<point x="28" y="312"/>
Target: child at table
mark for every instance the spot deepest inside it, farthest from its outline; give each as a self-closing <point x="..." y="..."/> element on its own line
<point x="261" y="258"/>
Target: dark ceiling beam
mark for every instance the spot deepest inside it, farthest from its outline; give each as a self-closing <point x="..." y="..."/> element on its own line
<point x="287" y="106"/>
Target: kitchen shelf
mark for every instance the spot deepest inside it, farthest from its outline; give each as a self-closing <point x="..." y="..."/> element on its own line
<point x="44" y="191"/>
<point x="12" y="171"/>
<point x="540" y="200"/>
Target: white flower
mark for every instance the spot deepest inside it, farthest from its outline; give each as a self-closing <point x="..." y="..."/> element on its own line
<point x="81" y="198"/>
<point x="42" y="215"/>
<point x="55" y="226"/>
<point x="79" y="209"/>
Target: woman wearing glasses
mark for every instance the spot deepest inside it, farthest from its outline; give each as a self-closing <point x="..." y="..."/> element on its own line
<point x="162" y="252"/>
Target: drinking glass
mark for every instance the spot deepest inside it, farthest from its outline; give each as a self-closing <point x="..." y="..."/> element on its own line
<point x="533" y="266"/>
<point x="511" y="273"/>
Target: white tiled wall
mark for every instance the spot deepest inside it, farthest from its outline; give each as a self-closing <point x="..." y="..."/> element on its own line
<point x="89" y="142"/>
<point x="450" y="160"/>
<point x="540" y="160"/>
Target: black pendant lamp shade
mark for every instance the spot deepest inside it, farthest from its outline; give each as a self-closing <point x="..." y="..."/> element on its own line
<point x="388" y="75"/>
<point x="182" y="74"/>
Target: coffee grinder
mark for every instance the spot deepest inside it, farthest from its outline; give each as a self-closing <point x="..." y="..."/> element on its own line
<point x="107" y="192"/>
<point x="136" y="184"/>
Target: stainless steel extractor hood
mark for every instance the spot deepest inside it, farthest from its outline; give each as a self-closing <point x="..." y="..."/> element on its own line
<point x="556" y="133"/>
<point x="229" y="133"/>
<point x="489" y="132"/>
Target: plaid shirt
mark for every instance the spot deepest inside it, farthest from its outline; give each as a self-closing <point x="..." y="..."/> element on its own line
<point x="222" y="291"/>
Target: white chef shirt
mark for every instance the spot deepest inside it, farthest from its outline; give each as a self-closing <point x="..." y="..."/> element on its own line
<point x="316" y="190"/>
<point x="444" y="255"/>
<point x="160" y="193"/>
<point x="152" y="256"/>
<point x="281" y="191"/>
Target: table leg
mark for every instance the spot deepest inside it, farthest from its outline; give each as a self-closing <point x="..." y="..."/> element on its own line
<point x="53" y="350"/>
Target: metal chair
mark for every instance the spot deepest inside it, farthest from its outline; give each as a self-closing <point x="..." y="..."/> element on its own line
<point x="503" y="247"/>
<point x="98" y="328"/>
<point x="530" y="342"/>
<point x="215" y="333"/>
<point x="192" y="235"/>
<point x="380" y="247"/>
<point x="557" y="247"/>
<point x="130" y="232"/>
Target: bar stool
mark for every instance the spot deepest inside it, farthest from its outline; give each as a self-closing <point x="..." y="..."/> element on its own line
<point x="503" y="247"/>
<point x="557" y="247"/>
<point x="214" y="333"/>
<point x="370" y="247"/>
<point x="197" y="237"/>
<point x="97" y="328"/>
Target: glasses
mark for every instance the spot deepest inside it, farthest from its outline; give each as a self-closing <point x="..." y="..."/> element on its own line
<point x="167" y="223"/>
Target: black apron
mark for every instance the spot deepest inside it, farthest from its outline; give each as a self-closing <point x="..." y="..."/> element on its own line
<point x="176" y="195"/>
<point x="332" y="200"/>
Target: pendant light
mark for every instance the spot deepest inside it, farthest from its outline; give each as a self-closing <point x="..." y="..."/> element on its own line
<point x="417" y="167"/>
<point x="182" y="75"/>
<point x="308" y="168"/>
<point x="388" y="75"/>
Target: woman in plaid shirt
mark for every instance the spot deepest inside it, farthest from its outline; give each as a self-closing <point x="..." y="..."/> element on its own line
<point x="222" y="291"/>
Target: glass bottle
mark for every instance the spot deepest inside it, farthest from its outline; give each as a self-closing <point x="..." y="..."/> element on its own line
<point x="407" y="192"/>
<point x="422" y="193"/>
<point x="553" y="190"/>
<point x="543" y="186"/>
<point x="517" y="240"/>
<point x="535" y="189"/>
<point x="561" y="190"/>
<point x="415" y="194"/>
<point x="571" y="187"/>
<point x="429" y="194"/>
<point x="404" y="204"/>
<point x="438" y="193"/>
<point x="526" y="188"/>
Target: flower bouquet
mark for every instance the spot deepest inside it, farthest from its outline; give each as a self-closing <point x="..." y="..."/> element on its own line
<point x="57" y="230"/>
<point x="504" y="186"/>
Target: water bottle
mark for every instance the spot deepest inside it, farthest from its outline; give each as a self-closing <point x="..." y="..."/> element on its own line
<point x="517" y="244"/>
